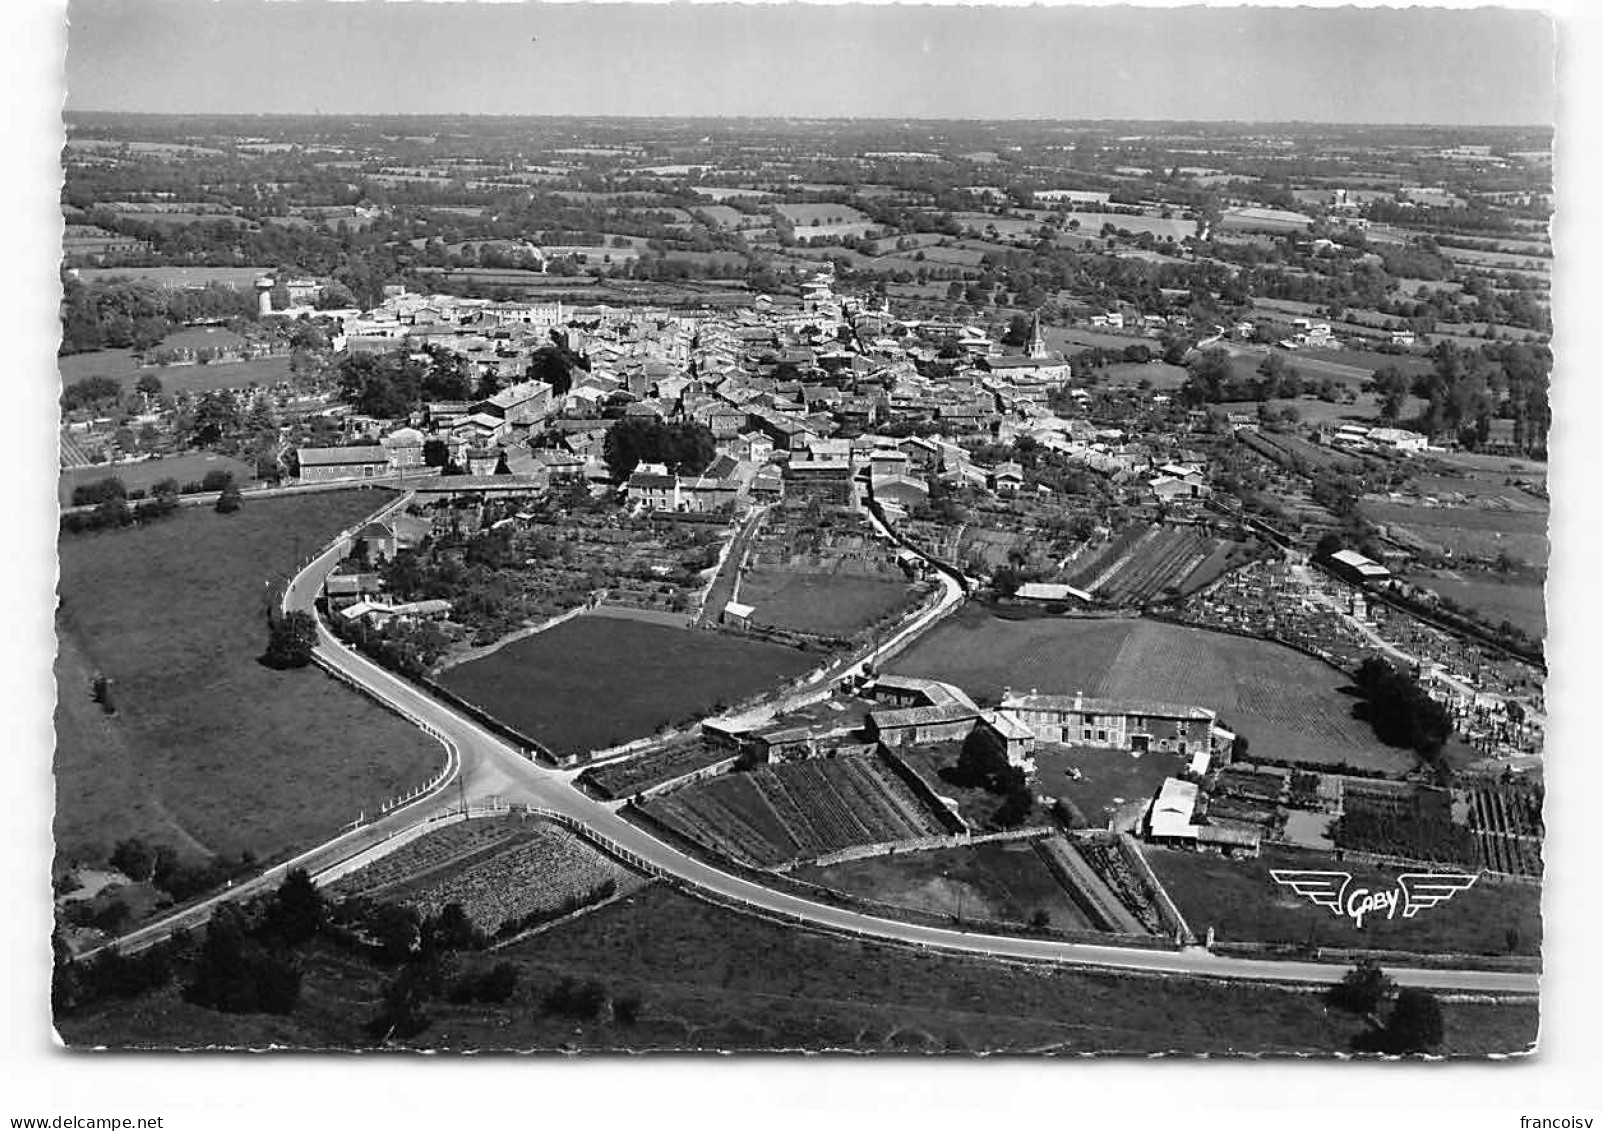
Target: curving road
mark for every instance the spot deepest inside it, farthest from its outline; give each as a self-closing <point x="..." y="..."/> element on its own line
<point x="486" y="767"/>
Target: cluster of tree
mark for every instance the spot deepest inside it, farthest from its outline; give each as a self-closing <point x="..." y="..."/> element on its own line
<point x="95" y="393"/>
<point x="1399" y="708"/>
<point x="409" y="649"/>
<point x="1211" y="378"/>
<point x="686" y="447"/>
<point x="290" y="640"/>
<point x="982" y="763"/>
<point x="76" y="984"/>
<point x="160" y="865"/>
<point x="1414" y="1024"/>
<point x="127" y="313"/>
<point x="112" y="511"/>
<point x="393" y="385"/>
<point x="1466" y="389"/>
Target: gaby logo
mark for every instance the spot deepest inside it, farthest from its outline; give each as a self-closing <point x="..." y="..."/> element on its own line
<point x="1414" y="892"/>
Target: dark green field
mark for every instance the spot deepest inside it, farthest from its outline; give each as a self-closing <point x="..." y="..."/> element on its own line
<point x="712" y="979"/>
<point x="210" y="751"/>
<point x="1239" y="900"/>
<point x="593" y="682"/>
<point x="1287" y="704"/>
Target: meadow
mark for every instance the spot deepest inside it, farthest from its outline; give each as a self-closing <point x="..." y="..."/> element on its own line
<point x="191" y="467"/>
<point x="1005" y="882"/>
<point x="124" y="367"/>
<point x="709" y="978"/>
<point x="210" y="750"/>
<point x="1468" y="531"/>
<point x="825" y="604"/>
<point x="648" y="675"/>
<point x="1520" y="600"/>
<point x="1288" y="705"/>
<point x="1242" y="903"/>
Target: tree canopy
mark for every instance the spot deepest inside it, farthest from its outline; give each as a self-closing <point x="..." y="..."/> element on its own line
<point x="684" y="446"/>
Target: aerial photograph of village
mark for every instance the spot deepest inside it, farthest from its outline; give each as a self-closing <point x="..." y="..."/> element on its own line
<point x="861" y="584"/>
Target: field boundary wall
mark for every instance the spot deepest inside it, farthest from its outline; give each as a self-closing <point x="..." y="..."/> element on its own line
<point x="925" y="792"/>
<point x="1173" y="922"/>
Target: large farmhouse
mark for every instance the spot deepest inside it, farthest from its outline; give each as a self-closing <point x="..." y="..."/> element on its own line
<point x="1119" y="724"/>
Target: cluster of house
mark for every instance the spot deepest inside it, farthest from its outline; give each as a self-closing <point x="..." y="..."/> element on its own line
<point x="779" y="385"/>
<point x="357" y="595"/>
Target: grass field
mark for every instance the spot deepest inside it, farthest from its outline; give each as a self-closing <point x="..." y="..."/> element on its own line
<point x="1287" y="704"/>
<point x="1239" y="900"/>
<point x="190" y="468"/>
<point x="1006" y="882"/>
<point x="124" y="367"/>
<point x="1478" y="532"/>
<point x="820" y="603"/>
<point x="1111" y="783"/>
<point x="1521" y="602"/>
<point x="712" y="979"/>
<point x="1162" y="375"/>
<point x="210" y="751"/>
<point x="548" y="685"/>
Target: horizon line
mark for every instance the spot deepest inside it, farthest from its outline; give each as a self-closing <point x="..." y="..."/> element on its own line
<point x="315" y="114"/>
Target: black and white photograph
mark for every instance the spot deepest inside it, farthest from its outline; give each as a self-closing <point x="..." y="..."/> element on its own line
<point x="903" y="533"/>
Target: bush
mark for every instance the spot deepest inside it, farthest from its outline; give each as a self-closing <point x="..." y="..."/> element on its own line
<point x="1362" y="990"/>
<point x="99" y="491"/>
<point x="626" y="1009"/>
<point x="578" y="1001"/>
<point x="494" y="986"/>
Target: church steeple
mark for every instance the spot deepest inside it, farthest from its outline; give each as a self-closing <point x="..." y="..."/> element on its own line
<point x="1037" y="343"/>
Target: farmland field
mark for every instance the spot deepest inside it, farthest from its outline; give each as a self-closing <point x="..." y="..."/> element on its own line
<point x="820" y="603"/>
<point x="1091" y="223"/>
<point x="1288" y="705"/>
<point x="648" y="674"/>
<point x="188" y="468"/>
<point x="1004" y="882"/>
<point x="172" y="614"/>
<point x="1239" y="900"/>
<point x="798" y="810"/>
<point x="498" y="869"/>
<point x="1149" y="563"/>
<point x="805" y="216"/>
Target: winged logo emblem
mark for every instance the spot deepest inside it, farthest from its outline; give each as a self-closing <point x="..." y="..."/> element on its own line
<point x="1323" y="889"/>
<point x="1415" y="891"/>
<point x="1427" y="889"/>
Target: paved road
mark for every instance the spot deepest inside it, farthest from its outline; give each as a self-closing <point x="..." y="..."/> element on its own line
<point x="489" y="767"/>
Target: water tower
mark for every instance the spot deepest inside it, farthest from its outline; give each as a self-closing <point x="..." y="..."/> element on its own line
<point x="264" y="295"/>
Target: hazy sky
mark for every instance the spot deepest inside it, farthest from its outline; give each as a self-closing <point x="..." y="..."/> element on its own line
<point x="300" y="56"/>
